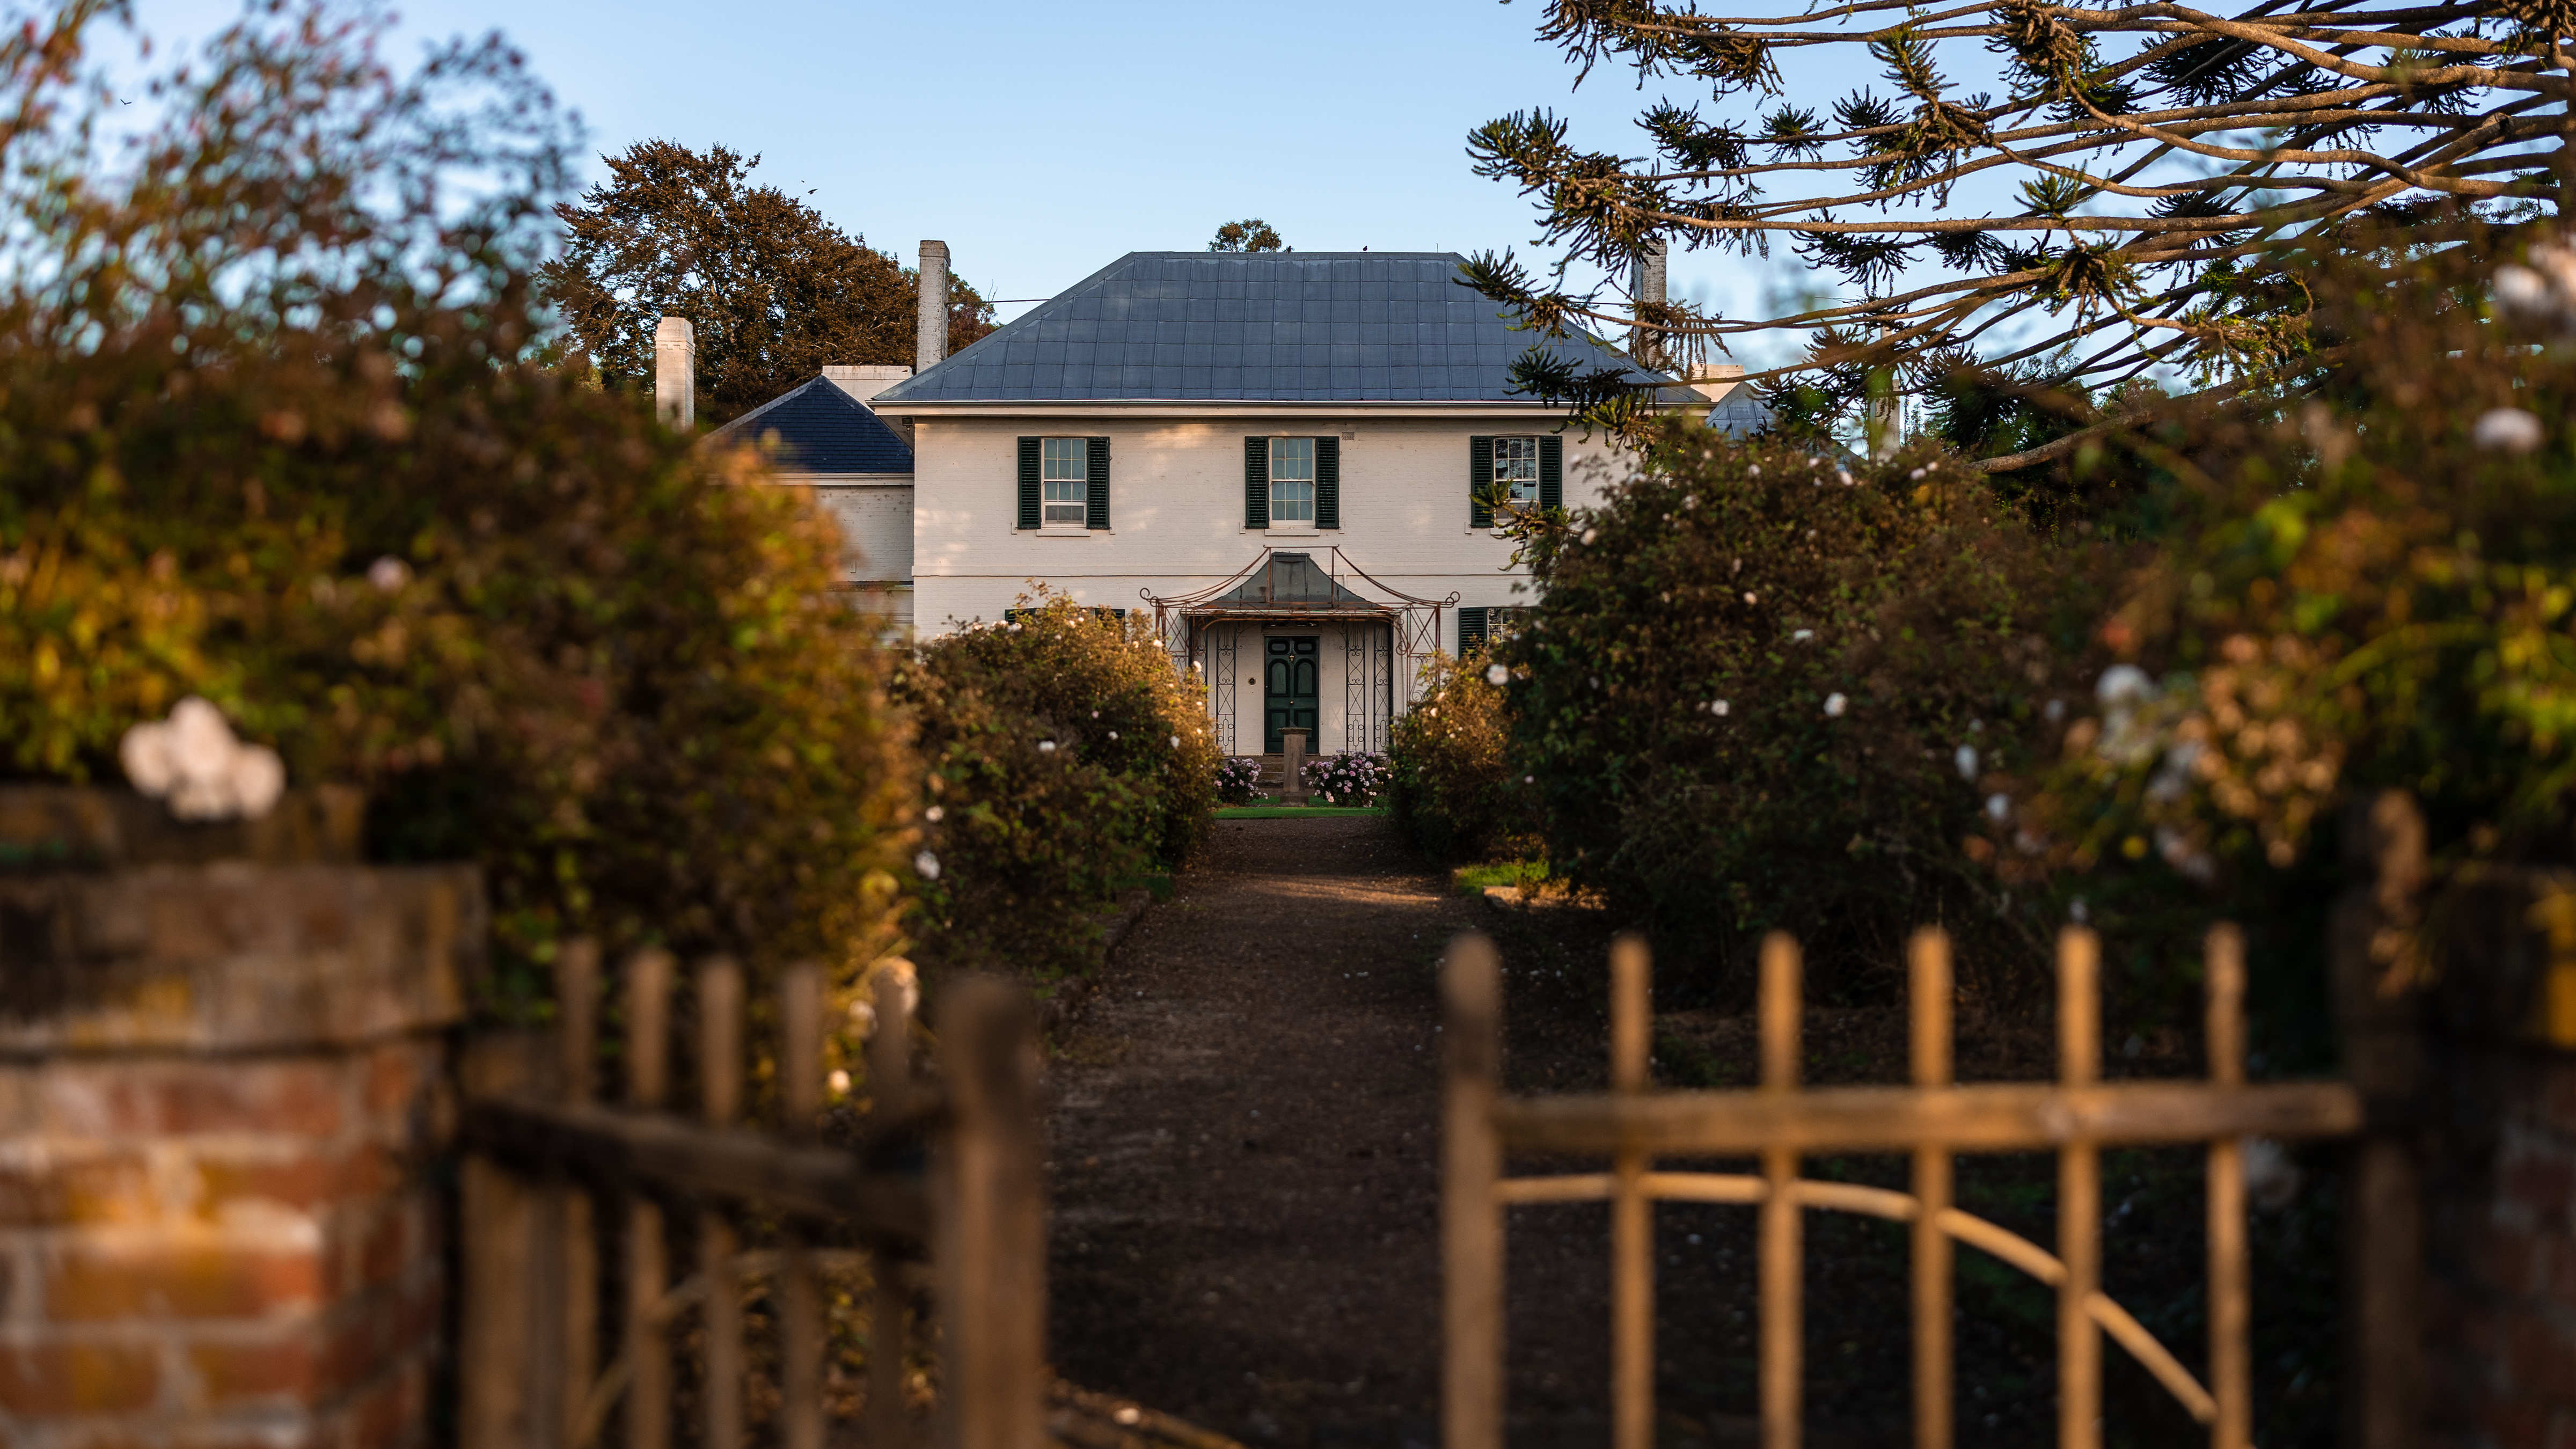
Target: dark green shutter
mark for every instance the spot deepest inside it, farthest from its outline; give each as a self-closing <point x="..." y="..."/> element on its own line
<point x="1480" y="484"/>
<point x="1095" y="513"/>
<point x="1328" y="482"/>
<point x="1032" y="504"/>
<point x="1471" y="630"/>
<point x="1256" y="482"/>
<point x="1551" y="473"/>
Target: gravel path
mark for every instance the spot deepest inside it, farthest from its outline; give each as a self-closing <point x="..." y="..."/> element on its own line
<point x="1245" y="1144"/>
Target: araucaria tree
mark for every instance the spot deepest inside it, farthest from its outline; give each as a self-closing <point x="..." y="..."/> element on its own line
<point x="774" y="290"/>
<point x="2135" y="197"/>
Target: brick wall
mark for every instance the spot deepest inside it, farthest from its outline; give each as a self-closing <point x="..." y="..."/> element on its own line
<point x="222" y="1091"/>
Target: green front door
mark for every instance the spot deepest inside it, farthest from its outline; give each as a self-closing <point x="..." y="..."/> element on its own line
<point x="1289" y="692"/>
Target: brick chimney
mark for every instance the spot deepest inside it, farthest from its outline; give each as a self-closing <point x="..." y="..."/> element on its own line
<point x="1646" y="285"/>
<point x="675" y="372"/>
<point x="931" y="345"/>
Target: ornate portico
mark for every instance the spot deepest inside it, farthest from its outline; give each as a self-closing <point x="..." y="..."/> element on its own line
<point x="1309" y="607"/>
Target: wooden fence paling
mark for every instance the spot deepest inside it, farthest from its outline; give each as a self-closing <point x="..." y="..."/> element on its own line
<point x="720" y="1101"/>
<point x="1782" y="1245"/>
<point x="992" y="1221"/>
<point x="1632" y="1222"/>
<point x="800" y="1291"/>
<point x="647" y="1343"/>
<point x="576" y="1212"/>
<point x="501" y="1221"/>
<point x="1928" y="980"/>
<point x="2383" y="1053"/>
<point x="2231" y="1373"/>
<point x="2079" y="1198"/>
<point x="1471" y="1209"/>
<point x="890" y="1082"/>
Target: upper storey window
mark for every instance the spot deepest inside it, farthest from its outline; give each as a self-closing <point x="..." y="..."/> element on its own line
<point x="1292" y="480"/>
<point x="1065" y="477"/>
<point x="1516" y="469"/>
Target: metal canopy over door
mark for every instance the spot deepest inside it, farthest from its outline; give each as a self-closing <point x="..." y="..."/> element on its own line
<point x="1291" y="691"/>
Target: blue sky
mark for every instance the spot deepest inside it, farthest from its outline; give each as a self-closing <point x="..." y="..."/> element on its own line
<point x="1041" y="141"/>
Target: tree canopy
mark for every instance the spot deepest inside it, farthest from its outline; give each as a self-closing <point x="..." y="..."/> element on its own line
<point x="2136" y="197"/>
<point x="1252" y="234"/>
<point x="774" y="290"/>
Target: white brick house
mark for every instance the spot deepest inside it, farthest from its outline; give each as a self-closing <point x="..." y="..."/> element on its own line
<point x="1279" y="456"/>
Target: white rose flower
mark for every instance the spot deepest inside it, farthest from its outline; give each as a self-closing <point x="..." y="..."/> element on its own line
<point x="2507" y="430"/>
<point x="1046" y="747"/>
<point x="1997" y="807"/>
<point x="1718" y="709"/>
<point x="926" y="865"/>
<point x="1497" y="675"/>
<point x="389" y="574"/>
<point x="1966" y="760"/>
<point x="1834" y="706"/>
<point x="935" y="814"/>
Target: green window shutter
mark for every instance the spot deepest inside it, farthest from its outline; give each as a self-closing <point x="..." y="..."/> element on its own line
<point x="1480" y="483"/>
<point x="1032" y="513"/>
<point x="1256" y="482"/>
<point x="1551" y="473"/>
<point x="1471" y="631"/>
<point x="1328" y="482"/>
<point x="1095" y="512"/>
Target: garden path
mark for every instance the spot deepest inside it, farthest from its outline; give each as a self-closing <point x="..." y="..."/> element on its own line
<point x="1245" y="1143"/>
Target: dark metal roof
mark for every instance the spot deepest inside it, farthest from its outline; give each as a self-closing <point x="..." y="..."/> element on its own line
<point x="1292" y="580"/>
<point x="1267" y="327"/>
<point x="819" y="428"/>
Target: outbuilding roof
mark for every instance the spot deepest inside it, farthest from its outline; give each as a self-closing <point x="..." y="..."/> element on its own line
<point x="1317" y="327"/>
<point x="820" y="428"/>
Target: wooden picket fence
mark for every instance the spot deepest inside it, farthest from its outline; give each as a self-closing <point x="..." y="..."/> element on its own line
<point x="946" y="1175"/>
<point x="1934" y="1118"/>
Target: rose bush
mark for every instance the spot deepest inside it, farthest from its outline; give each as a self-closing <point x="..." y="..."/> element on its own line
<point x="1238" y="780"/>
<point x="1347" y="779"/>
<point x="1763" y="689"/>
<point x="1450" y="785"/>
<point x="1065" y="756"/>
<point x="277" y="430"/>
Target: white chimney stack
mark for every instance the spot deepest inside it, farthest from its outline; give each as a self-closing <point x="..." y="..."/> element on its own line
<point x="930" y="347"/>
<point x="675" y="372"/>
<point x="1646" y="285"/>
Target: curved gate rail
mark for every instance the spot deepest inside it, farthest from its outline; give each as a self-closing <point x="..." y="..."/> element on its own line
<point x="949" y="1174"/>
<point x="2076" y="1116"/>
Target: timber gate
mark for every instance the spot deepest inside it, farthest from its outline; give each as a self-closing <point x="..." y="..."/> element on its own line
<point x="561" y="1342"/>
<point x="2075" y="1116"/>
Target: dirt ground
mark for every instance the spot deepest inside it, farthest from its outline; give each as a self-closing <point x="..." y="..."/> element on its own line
<point x="1245" y="1185"/>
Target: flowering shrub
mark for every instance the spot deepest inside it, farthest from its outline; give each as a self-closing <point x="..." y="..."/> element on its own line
<point x="1238" y="779"/>
<point x="1762" y="689"/>
<point x="1065" y="756"/>
<point x="305" y="462"/>
<point x="1346" y="779"/>
<point x="1449" y="785"/>
<point x="2373" y="591"/>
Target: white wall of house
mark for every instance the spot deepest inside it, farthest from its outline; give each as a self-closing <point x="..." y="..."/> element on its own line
<point x="875" y="515"/>
<point x="1176" y="508"/>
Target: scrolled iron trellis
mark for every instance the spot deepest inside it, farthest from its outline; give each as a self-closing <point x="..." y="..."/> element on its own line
<point x="1206" y="626"/>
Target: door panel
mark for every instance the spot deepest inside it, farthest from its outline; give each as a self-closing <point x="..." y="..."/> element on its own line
<point x="1291" y="692"/>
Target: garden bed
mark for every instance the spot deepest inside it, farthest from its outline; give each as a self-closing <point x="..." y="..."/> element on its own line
<point x="1274" y="811"/>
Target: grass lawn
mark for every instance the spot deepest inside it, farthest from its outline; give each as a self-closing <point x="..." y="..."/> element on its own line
<point x="1293" y="812"/>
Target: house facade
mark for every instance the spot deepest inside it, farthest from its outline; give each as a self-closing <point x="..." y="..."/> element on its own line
<point x="1288" y="461"/>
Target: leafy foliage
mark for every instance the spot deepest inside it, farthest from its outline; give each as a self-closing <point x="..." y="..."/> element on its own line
<point x="272" y="433"/>
<point x="774" y="291"/>
<point x="1761" y="691"/>
<point x="2369" y="590"/>
<point x="1249" y="235"/>
<point x="1065" y="755"/>
<point x="2162" y="160"/>
<point x="1450" y="784"/>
